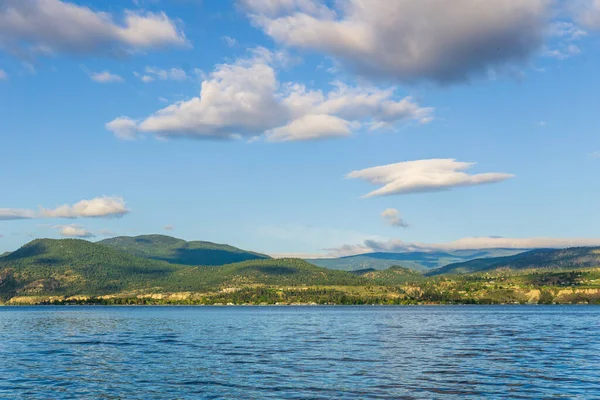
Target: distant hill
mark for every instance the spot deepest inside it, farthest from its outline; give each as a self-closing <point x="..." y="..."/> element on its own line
<point x="572" y="258"/>
<point x="416" y="260"/>
<point x="178" y="251"/>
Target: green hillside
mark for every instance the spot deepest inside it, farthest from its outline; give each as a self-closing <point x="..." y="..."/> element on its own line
<point x="572" y="258"/>
<point x="73" y="266"/>
<point x="71" y="271"/>
<point x="415" y="260"/>
<point x="280" y="272"/>
<point x="178" y="251"/>
<point x="394" y="275"/>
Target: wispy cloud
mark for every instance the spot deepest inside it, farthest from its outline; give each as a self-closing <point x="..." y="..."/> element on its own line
<point x="105" y="77"/>
<point x="231" y="42"/>
<point x="99" y="207"/>
<point x="151" y="74"/>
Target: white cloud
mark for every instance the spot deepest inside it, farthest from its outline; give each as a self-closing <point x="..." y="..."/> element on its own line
<point x="105" y="77"/>
<point x="595" y="154"/>
<point x="3" y="75"/>
<point x="153" y="73"/>
<point x="99" y="207"/>
<point x="423" y="176"/>
<point x="123" y="127"/>
<point x="229" y="41"/>
<point x="587" y="13"/>
<point x="15" y="213"/>
<point x="309" y="127"/>
<point x="566" y="30"/>
<point x="106" y="232"/>
<point x="563" y="51"/>
<point x="406" y="40"/>
<point x="468" y="243"/>
<point x="34" y="27"/>
<point x="245" y="99"/>
<point x="393" y="218"/>
<point x="74" y="230"/>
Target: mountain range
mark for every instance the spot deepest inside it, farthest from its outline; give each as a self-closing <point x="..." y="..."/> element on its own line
<point x="416" y="260"/>
<point x="130" y="270"/>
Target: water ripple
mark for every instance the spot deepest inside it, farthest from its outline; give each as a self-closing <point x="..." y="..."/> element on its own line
<point x="300" y="352"/>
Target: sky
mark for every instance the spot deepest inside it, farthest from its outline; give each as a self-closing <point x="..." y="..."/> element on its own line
<point x="305" y="128"/>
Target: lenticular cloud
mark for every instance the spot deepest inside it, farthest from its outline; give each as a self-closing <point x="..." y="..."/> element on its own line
<point x="423" y="176"/>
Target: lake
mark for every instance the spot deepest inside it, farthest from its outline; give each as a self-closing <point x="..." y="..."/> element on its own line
<point x="332" y="352"/>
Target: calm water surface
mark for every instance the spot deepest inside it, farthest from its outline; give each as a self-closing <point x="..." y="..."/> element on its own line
<point x="300" y="352"/>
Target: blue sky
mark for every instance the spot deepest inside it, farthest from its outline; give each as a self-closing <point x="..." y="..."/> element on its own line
<point x="276" y="113"/>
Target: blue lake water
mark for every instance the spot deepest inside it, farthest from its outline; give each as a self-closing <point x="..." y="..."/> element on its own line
<point x="300" y="352"/>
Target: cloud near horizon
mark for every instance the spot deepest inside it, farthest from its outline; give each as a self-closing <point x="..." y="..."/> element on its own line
<point x="423" y="176"/>
<point x="454" y="40"/>
<point x="74" y="231"/>
<point x="468" y="243"/>
<point x="29" y="28"/>
<point x="99" y="207"/>
<point x="244" y="99"/>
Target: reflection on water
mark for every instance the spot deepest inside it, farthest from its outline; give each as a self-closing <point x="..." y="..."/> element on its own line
<point x="300" y="352"/>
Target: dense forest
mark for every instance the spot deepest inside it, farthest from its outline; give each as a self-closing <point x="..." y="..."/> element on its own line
<point x="72" y="271"/>
<point x="178" y="251"/>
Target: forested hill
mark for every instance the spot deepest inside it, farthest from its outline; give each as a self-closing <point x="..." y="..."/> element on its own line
<point x="70" y="267"/>
<point x="572" y="258"/>
<point x="178" y="251"/>
<point x="74" y="266"/>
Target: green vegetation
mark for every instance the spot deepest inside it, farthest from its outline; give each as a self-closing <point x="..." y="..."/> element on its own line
<point x="178" y="251"/>
<point x="72" y="267"/>
<point x="416" y="260"/>
<point x="71" y="271"/>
